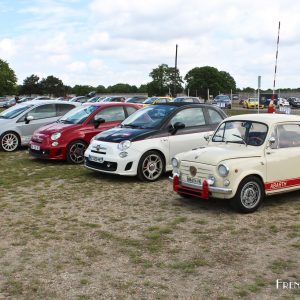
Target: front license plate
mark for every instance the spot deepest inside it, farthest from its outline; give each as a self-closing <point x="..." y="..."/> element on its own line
<point x="35" y="147"/>
<point x="193" y="180"/>
<point x="96" y="159"/>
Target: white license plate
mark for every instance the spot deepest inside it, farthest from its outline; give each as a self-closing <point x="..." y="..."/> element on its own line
<point x="96" y="159"/>
<point x="35" y="147"/>
<point x="196" y="181"/>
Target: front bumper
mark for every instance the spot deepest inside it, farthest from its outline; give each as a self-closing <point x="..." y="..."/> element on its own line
<point x="47" y="152"/>
<point x="203" y="191"/>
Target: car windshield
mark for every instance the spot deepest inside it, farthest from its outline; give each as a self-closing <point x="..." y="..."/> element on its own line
<point x="150" y="100"/>
<point x="94" y="99"/>
<point x="253" y="100"/>
<point x="241" y="132"/>
<point x="78" y="115"/>
<point x="179" y="99"/>
<point x="14" y="111"/>
<point x="148" y="117"/>
<point x="222" y="98"/>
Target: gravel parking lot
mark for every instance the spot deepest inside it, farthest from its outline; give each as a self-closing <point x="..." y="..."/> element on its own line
<point x="68" y="233"/>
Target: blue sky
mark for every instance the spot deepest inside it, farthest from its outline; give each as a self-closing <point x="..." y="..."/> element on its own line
<point x="107" y="42"/>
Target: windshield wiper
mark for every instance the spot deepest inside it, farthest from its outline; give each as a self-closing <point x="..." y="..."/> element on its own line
<point x="240" y="138"/>
<point x="130" y="125"/>
<point x="65" y="122"/>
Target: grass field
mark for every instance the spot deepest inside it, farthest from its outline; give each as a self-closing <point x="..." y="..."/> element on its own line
<point x="68" y="233"/>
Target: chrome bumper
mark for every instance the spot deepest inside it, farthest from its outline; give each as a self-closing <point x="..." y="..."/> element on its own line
<point x="212" y="189"/>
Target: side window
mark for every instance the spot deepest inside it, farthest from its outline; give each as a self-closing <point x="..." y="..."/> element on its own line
<point x="288" y="135"/>
<point x="215" y="117"/>
<point x="62" y="109"/>
<point x="130" y="110"/>
<point x="190" y="117"/>
<point x="110" y="114"/>
<point x="43" y="112"/>
<point x="163" y="100"/>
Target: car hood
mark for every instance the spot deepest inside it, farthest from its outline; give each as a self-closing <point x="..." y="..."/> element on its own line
<point x="213" y="155"/>
<point x="118" y="134"/>
<point x="56" y="127"/>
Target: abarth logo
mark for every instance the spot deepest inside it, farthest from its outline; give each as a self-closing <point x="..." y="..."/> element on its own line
<point x="99" y="147"/>
<point x="193" y="171"/>
<point x="278" y="185"/>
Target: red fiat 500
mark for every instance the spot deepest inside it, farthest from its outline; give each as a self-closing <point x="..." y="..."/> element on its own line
<point x="68" y="138"/>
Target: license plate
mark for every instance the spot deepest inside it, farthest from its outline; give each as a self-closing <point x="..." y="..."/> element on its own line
<point x="196" y="181"/>
<point x="35" y="147"/>
<point x="96" y="159"/>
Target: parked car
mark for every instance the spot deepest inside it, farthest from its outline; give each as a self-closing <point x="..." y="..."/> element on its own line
<point x="24" y="99"/>
<point x="146" y="141"/>
<point x="282" y="102"/>
<point x="247" y="158"/>
<point x="68" y="138"/>
<point x="157" y="100"/>
<point x="79" y="99"/>
<point x="294" y="101"/>
<point x="95" y="99"/>
<point x="18" y="123"/>
<point x="136" y="99"/>
<point x="114" y="99"/>
<point x="188" y="99"/>
<point x="8" y="103"/>
<point x="252" y="103"/>
<point x="42" y="98"/>
<point x="223" y="101"/>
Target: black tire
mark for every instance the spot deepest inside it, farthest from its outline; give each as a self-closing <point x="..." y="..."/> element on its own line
<point x="9" y="141"/>
<point x="75" y="152"/>
<point x="249" y="195"/>
<point x="151" y="166"/>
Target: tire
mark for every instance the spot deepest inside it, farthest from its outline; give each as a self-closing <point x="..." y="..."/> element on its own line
<point x="249" y="195"/>
<point x="9" y="141"/>
<point x="75" y="152"/>
<point x="151" y="166"/>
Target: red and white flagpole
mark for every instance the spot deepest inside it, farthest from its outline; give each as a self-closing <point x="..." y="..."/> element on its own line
<point x="275" y="71"/>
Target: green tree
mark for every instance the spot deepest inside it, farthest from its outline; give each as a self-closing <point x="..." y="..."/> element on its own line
<point x="200" y="79"/>
<point x="8" y="79"/>
<point x="31" y="85"/>
<point x="52" y="86"/>
<point x="101" y="89"/>
<point x="81" y="90"/>
<point x="163" y="81"/>
<point x="143" y="88"/>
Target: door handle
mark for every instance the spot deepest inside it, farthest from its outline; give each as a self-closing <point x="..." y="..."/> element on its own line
<point x="164" y="139"/>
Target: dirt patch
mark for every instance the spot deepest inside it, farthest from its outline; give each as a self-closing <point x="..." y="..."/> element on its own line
<point x="68" y="233"/>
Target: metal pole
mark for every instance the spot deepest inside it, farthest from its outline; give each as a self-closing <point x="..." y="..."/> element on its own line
<point x="275" y="71"/>
<point x="208" y="95"/>
<point x="175" y="71"/>
<point x="258" y="87"/>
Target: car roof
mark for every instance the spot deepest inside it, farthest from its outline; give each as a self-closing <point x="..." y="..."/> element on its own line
<point x="266" y="118"/>
<point x="109" y="104"/>
<point x="35" y="102"/>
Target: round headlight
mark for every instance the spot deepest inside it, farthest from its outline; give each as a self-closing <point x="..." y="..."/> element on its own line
<point x="223" y="170"/>
<point x="175" y="162"/>
<point x="124" y="145"/>
<point x="55" y="136"/>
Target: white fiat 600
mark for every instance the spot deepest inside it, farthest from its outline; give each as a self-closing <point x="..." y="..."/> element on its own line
<point x="146" y="141"/>
<point x="247" y="158"/>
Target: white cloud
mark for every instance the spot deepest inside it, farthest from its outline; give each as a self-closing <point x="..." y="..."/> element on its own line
<point x="8" y="48"/>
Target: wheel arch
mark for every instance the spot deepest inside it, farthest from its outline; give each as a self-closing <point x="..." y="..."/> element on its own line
<point x="161" y="153"/>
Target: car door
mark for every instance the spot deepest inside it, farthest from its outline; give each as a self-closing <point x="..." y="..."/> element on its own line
<point x="113" y="116"/>
<point x="283" y="157"/>
<point x="190" y="137"/>
<point x="42" y="115"/>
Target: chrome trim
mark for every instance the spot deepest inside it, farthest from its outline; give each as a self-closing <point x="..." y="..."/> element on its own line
<point x="212" y="189"/>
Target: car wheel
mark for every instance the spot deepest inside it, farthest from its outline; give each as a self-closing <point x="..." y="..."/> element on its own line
<point x="249" y="195"/>
<point x="9" y="141"/>
<point x="151" y="166"/>
<point x="75" y="152"/>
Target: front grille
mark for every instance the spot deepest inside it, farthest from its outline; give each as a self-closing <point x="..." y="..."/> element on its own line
<point x="37" y="140"/>
<point x="105" y="166"/>
<point x="98" y="152"/>
<point x="202" y="170"/>
<point x="39" y="153"/>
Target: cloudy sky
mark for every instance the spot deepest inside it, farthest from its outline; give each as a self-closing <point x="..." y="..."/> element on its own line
<point x="111" y="41"/>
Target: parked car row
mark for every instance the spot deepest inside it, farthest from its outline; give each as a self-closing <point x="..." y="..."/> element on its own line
<point x="241" y="158"/>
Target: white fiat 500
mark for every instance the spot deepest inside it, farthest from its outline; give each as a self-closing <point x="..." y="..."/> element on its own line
<point x="248" y="157"/>
<point x="146" y="141"/>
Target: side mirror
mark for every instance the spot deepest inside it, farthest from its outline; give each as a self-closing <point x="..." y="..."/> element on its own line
<point x="28" y="119"/>
<point x="272" y="141"/>
<point x="97" y="122"/>
<point x="178" y="125"/>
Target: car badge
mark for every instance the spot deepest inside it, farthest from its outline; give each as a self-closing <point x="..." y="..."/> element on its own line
<point x="193" y="171"/>
<point x="196" y="157"/>
<point x="98" y="148"/>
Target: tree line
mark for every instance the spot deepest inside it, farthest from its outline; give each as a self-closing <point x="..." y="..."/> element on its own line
<point x="165" y="80"/>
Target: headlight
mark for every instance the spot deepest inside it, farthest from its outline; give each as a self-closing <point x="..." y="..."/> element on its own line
<point x="223" y="170"/>
<point x="124" y="145"/>
<point x="175" y="162"/>
<point x="55" y="136"/>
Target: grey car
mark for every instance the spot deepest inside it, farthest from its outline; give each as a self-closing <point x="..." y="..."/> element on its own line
<point x="18" y="123"/>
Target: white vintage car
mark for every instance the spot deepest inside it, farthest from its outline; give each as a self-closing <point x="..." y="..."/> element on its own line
<point x="247" y="157"/>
